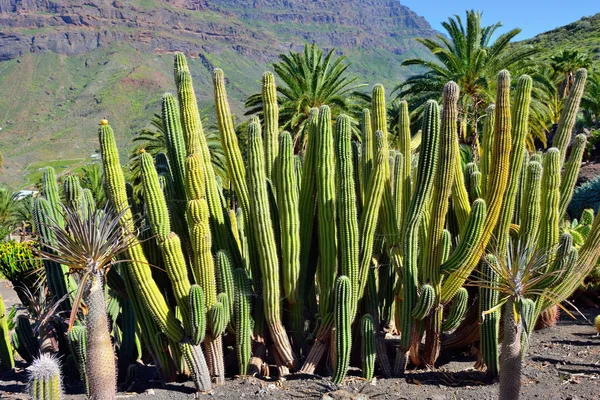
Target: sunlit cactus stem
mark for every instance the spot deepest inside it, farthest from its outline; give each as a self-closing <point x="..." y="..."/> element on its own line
<point x="7" y="361"/>
<point x="367" y="334"/>
<point x="571" y="172"/>
<point x="342" y="323"/>
<point x="271" y="122"/>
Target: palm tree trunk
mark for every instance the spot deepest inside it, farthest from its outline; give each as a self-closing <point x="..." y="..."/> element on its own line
<point x="510" y="357"/>
<point x="100" y="360"/>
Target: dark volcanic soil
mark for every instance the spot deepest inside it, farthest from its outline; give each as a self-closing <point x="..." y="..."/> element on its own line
<point x="563" y="362"/>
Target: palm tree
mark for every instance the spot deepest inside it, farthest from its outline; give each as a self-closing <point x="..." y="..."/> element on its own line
<point x="564" y="65"/>
<point x="310" y="79"/>
<point x="590" y="103"/>
<point x="468" y="57"/>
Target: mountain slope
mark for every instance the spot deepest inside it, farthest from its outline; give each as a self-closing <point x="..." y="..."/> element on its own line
<point x="583" y="35"/>
<point x="66" y="64"/>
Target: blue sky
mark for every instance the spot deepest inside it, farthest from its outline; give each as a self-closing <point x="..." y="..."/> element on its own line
<point x="532" y="16"/>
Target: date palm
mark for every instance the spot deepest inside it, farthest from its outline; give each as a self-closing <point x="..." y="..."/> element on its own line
<point x="306" y="80"/>
<point x="590" y="103"/>
<point x="468" y="56"/>
<point x="564" y="65"/>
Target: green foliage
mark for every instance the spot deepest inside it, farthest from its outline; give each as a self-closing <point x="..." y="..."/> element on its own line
<point x="585" y="196"/>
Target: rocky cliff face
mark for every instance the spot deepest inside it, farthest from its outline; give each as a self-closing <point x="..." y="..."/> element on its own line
<point x="196" y="26"/>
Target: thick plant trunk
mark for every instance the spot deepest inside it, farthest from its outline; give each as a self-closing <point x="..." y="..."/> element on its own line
<point x="510" y="357"/>
<point x="100" y="358"/>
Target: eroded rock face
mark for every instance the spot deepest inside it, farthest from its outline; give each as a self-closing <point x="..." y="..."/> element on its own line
<point x="252" y="27"/>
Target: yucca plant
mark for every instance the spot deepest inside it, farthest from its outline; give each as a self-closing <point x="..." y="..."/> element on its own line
<point x="524" y="278"/>
<point x="89" y="247"/>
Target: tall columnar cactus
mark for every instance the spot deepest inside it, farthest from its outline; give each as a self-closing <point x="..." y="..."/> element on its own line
<point x="175" y="144"/>
<point x="78" y="347"/>
<point x="549" y="225"/>
<point x="342" y="324"/>
<point x="405" y="150"/>
<point x="348" y="224"/>
<point x="243" y="328"/>
<point x="287" y="195"/>
<point x="45" y="380"/>
<point x="531" y="212"/>
<point x="271" y="122"/>
<point x="571" y="172"/>
<point x="72" y="191"/>
<point x="326" y="210"/>
<point x="50" y="192"/>
<point x="428" y="159"/>
<point x="457" y="310"/>
<point x="307" y="197"/>
<point x="197" y="314"/>
<point x="489" y="326"/>
<point x="224" y="269"/>
<point x="568" y="116"/>
<point x="265" y="240"/>
<point x="367" y="334"/>
<point x="368" y="151"/>
<point x="487" y="145"/>
<point x="496" y="186"/>
<point x="442" y="187"/>
<point x="229" y="142"/>
<point x="56" y="275"/>
<point x="520" y="119"/>
<point x="368" y="222"/>
<point x="7" y="362"/>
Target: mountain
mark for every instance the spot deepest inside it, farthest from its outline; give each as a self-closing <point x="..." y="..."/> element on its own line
<point x="583" y="35"/>
<point x="65" y="64"/>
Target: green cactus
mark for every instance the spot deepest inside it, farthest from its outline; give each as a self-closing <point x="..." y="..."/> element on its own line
<point x="495" y="190"/>
<point x="218" y="316"/>
<point x="326" y="211"/>
<point x="175" y="145"/>
<point x="45" y="380"/>
<point x="457" y="310"/>
<point x="265" y="240"/>
<point x="367" y="151"/>
<point x="289" y="218"/>
<point x="342" y="324"/>
<point x="367" y="334"/>
<point x="368" y="222"/>
<point x="404" y="148"/>
<point x="72" y="191"/>
<point x="475" y="185"/>
<point x="571" y="172"/>
<point x="271" y="122"/>
<point x="78" y="347"/>
<point x="428" y="159"/>
<point x="568" y="115"/>
<point x="27" y="344"/>
<point x="489" y="326"/>
<point x="531" y="212"/>
<point x="520" y="117"/>
<point x="549" y="224"/>
<point x="425" y="302"/>
<point x="243" y="323"/>
<point x="50" y="192"/>
<point x="197" y="314"/>
<point x="520" y="202"/>
<point x="7" y="362"/>
<point x="224" y="269"/>
<point x="487" y="145"/>
<point x="348" y="224"/>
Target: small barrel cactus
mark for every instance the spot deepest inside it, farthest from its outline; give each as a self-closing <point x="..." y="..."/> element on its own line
<point x="45" y="382"/>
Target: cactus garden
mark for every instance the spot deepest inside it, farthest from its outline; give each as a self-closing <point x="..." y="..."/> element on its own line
<point x="358" y="247"/>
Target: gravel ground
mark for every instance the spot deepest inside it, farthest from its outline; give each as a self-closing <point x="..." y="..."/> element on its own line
<point x="563" y="362"/>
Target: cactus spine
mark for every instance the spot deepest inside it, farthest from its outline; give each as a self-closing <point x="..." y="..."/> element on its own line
<point x="549" y="226"/>
<point x="45" y="381"/>
<point x="265" y="240"/>
<point x="342" y="324"/>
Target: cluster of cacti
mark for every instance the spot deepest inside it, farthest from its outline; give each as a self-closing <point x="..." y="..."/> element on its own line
<point x="342" y="234"/>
